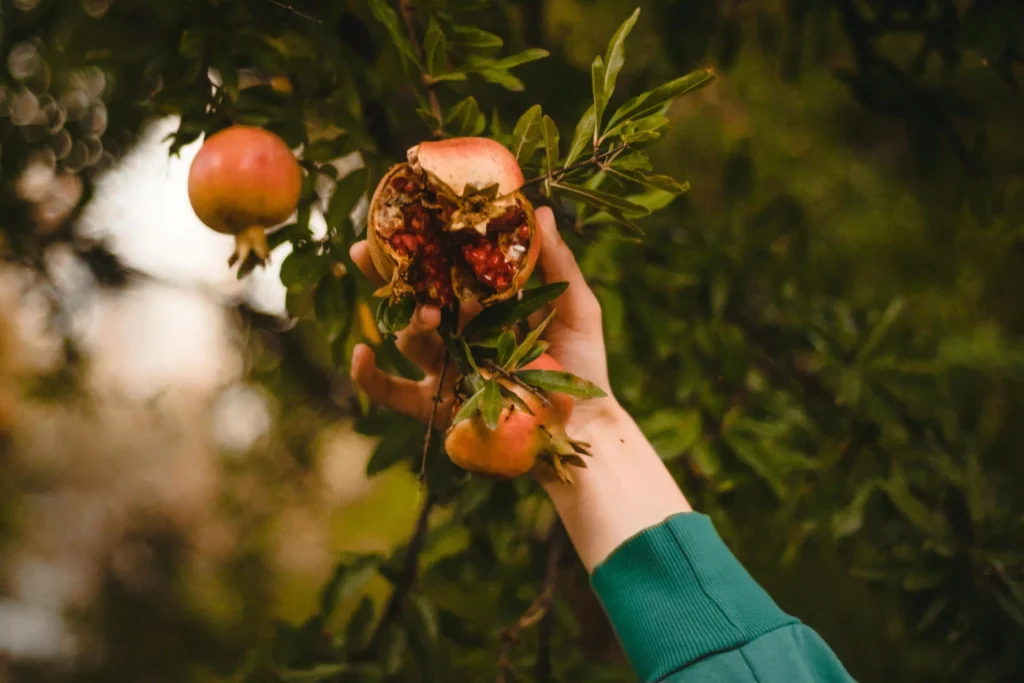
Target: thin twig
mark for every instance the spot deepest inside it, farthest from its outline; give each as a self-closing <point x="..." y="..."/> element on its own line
<point x="596" y="159"/>
<point x="409" y="16"/>
<point x="296" y="12"/>
<point x="505" y="374"/>
<point x="537" y="610"/>
<point x="433" y="416"/>
<point x="406" y="579"/>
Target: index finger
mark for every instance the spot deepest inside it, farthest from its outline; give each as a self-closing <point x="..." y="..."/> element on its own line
<point x="360" y="253"/>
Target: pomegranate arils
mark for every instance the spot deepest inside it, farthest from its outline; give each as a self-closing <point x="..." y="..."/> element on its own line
<point x="508" y="220"/>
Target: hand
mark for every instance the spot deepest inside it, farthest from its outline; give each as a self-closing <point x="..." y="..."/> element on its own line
<point x="575" y="336"/>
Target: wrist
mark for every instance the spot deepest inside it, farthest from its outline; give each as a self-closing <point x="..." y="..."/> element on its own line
<point x="624" y="489"/>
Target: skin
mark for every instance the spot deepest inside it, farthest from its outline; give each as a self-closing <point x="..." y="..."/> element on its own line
<point x="626" y="487"/>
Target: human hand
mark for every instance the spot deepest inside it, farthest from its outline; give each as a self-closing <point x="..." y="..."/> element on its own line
<point x="575" y="336"/>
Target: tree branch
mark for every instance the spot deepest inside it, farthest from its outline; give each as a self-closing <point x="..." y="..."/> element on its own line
<point x="433" y="416"/>
<point x="538" y="610"/>
<point x="408" y="11"/>
<point x="296" y="12"/>
<point x="406" y="579"/>
<point x="597" y="159"/>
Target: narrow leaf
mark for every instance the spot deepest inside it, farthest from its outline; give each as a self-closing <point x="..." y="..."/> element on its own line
<point x="649" y="102"/>
<point x="560" y="382"/>
<point x="469" y="407"/>
<point x="533" y="354"/>
<point x="434" y="47"/>
<point x="383" y="13"/>
<point x="465" y="118"/>
<point x="658" y="182"/>
<point x="392" y="317"/>
<point x="597" y="84"/>
<point x="550" y="131"/>
<point x="321" y="672"/>
<point x="346" y="194"/>
<point x="471" y="37"/>
<point x="506" y="346"/>
<point x="584" y="136"/>
<point x="491" y="404"/>
<point x="526" y="134"/>
<point x="615" y="56"/>
<point x="601" y="200"/>
<point x="528" y="343"/>
<point x="514" y="398"/>
<point x="530" y="55"/>
<point x="513" y="310"/>
<point x="502" y="78"/>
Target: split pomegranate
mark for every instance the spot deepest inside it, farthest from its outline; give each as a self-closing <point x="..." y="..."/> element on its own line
<point x="451" y="222"/>
<point x="243" y="181"/>
<point x="522" y="442"/>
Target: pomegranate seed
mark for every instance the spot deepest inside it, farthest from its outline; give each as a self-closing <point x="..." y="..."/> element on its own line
<point x="487" y="278"/>
<point x="495" y="259"/>
<point x="501" y="283"/>
<point x="431" y="249"/>
<point x="410" y="242"/>
<point x="524" y="232"/>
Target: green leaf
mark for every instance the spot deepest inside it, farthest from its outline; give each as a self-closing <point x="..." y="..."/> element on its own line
<point x="633" y="161"/>
<point x="393" y="317"/>
<point x="302" y="269"/>
<point x="583" y="136"/>
<point x="885" y="322"/>
<point x="348" y="579"/>
<point x="657" y="182"/>
<point x="502" y="78"/>
<point x="450" y="76"/>
<point x="527" y="343"/>
<point x="652" y="100"/>
<point x="533" y="354"/>
<point x="550" y="131"/>
<point x="346" y="195"/>
<point x="434" y="48"/>
<point x="395" y="445"/>
<point x="530" y="55"/>
<point x="425" y="617"/>
<point x="601" y="200"/>
<point x="615" y="57"/>
<point x="673" y="432"/>
<point x="192" y="42"/>
<point x="560" y="382"/>
<point x="526" y="134"/>
<point x="491" y="404"/>
<point x="392" y="655"/>
<point x="467" y="117"/>
<point x="383" y="13"/>
<point x="513" y="310"/>
<point x="597" y="83"/>
<point x="469" y="407"/>
<point x="332" y="307"/>
<point x="321" y="672"/>
<point x="514" y="398"/>
<point x="358" y="632"/>
<point x="506" y="346"/>
<point x="635" y="131"/>
<point x="328" y="149"/>
<point x="471" y="37"/>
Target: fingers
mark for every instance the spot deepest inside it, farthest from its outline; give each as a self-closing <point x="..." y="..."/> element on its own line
<point x="578" y="306"/>
<point x="420" y="342"/>
<point x="360" y="253"/>
<point x="396" y="393"/>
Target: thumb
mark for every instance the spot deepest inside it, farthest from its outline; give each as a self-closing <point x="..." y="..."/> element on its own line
<point x="578" y="305"/>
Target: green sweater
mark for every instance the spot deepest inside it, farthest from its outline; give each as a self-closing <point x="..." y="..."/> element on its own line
<point x="686" y="611"/>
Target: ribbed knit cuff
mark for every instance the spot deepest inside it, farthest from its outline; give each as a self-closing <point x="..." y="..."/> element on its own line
<point x="675" y="594"/>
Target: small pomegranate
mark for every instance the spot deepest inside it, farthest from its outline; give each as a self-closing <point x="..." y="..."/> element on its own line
<point x="521" y="442"/>
<point x="243" y="181"/>
<point x="451" y="222"/>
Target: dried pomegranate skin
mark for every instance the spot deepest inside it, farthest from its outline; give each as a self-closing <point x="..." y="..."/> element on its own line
<point x="244" y="176"/>
<point x="413" y="239"/>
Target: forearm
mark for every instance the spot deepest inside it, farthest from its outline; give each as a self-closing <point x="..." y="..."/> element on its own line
<point x="625" y="488"/>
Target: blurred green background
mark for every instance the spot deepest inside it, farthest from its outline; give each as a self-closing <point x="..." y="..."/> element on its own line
<point x="823" y="338"/>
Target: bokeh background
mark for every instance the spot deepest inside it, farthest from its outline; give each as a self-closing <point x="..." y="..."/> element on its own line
<point x="823" y="337"/>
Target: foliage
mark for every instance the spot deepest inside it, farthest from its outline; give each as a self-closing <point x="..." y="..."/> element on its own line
<point x="822" y="338"/>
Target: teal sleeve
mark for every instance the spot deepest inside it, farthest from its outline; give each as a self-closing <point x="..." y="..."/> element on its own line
<point x="686" y="611"/>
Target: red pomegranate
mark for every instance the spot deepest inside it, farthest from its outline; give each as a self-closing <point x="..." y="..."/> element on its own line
<point x="243" y="181"/>
<point x="451" y="222"/>
<point x="521" y="442"/>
